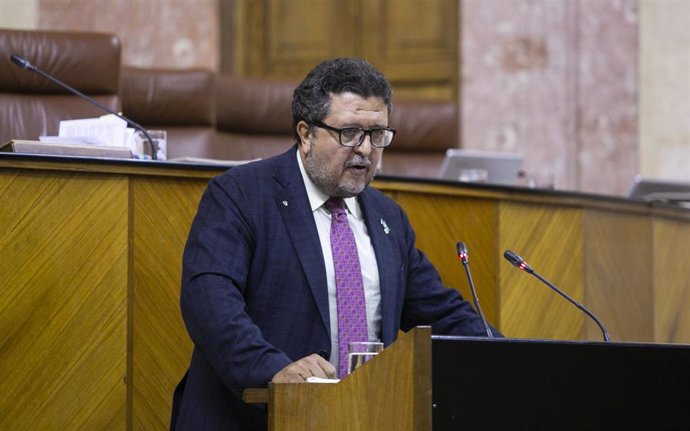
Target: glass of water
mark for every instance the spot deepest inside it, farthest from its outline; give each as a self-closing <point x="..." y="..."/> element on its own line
<point x="142" y="148"/>
<point x="359" y="352"/>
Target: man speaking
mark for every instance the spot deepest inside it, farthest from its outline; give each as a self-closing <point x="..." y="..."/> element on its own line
<point x="290" y="258"/>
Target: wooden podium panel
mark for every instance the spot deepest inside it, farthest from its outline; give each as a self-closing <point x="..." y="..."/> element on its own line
<point x="163" y="210"/>
<point x="671" y="253"/>
<point x="91" y="336"/>
<point x="538" y="233"/>
<point x="90" y="265"/>
<point x="442" y="221"/>
<point x="63" y="300"/>
<point x="390" y="392"/>
<point x="619" y="241"/>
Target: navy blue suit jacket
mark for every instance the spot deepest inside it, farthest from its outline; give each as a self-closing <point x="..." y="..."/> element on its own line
<point x="254" y="295"/>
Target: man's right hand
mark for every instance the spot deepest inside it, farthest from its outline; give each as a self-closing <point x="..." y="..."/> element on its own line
<point x="310" y="366"/>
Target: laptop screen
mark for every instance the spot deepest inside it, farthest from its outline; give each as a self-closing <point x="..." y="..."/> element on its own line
<point x="492" y="167"/>
<point x="659" y="190"/>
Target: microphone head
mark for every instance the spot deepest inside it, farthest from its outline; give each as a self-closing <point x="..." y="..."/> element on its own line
<point x="462" y="251"/>
<point x="512" y="258"/>
<point x="21" y="62"/>
<point x="517" y="260"/>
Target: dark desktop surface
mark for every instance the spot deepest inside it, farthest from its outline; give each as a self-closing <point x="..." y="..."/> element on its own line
<point x="511" y="384"/>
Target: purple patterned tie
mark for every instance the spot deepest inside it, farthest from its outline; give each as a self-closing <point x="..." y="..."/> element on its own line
<point x="352" y="314"/>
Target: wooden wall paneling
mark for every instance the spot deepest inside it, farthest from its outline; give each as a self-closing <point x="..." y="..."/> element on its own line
<point x="549" y="238"/>
<point x="231" y="25"/>
<point x="440" y="222"/>
<point x="242" y="18"/>
<point x="284" y="39"/>
<point x="618" y="269"/>
<point x="163" y="209"/>
<point x="671" y="280"/>
<point x="415" y="43"/>
<point x="63" y="279"/>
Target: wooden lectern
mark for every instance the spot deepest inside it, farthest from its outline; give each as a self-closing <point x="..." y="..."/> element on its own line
<point x="389" y="392"/>
<point x="494" y="384"/>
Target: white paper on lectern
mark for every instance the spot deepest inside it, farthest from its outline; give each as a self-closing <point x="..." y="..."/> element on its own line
<point x="58" y="140"/>
<point x="314" y="379"/>
<point x="107" y="130"/>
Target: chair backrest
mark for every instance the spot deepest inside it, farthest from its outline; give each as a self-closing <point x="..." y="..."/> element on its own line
<point x="425" y="130"/>
<point x="254" y="119"/>
<point x="181" y="102"/>
<point x="227" y="117"/>
<point x="32" y="106"/>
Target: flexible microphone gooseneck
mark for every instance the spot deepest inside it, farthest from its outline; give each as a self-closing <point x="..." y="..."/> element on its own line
<point x="521" y="264"/>
<point x="462" y="255"/>
<point x="25" y="64"/>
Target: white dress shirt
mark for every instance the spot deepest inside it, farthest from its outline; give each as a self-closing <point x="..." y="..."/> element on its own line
<point x="367" y="260"/>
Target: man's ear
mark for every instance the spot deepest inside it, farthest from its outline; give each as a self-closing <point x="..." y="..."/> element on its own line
<point x="305" y="136"/>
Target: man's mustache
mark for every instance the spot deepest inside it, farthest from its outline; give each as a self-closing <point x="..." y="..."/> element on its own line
<point x="358" y="161"/>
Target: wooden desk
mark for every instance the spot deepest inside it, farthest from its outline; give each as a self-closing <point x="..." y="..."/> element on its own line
<point x="90" y="329"/>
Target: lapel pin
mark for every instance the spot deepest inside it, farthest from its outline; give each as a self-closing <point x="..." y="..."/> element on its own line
<point x="386" y="230"/>
<point x="285" y="203"/>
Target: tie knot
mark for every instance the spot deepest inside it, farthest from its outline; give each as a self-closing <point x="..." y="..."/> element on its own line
<point x="336" y="206"/>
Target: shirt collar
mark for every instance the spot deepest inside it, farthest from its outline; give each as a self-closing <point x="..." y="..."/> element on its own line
<point x="317" y="198"/>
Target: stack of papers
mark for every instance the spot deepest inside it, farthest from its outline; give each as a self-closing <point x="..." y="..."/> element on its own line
<point x="106" y="131"/>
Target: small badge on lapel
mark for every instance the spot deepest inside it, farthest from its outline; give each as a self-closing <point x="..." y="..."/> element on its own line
<point x="386" y="230"/>
<point x="285" y="203"/>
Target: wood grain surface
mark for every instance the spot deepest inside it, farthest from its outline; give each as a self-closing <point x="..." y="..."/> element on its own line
<point x="63" y="300"/>
<point x="549" y="238"/>
<point x="162" y="213"/>
<point x="91" y="335"/>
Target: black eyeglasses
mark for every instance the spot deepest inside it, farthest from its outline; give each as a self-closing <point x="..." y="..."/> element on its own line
<point x="354" y="136"/>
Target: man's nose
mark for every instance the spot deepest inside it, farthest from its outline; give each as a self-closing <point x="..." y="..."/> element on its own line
<point x="365" y="147"/>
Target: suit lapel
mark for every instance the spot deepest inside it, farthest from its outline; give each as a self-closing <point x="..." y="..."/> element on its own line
<point x="294" y="208"/>
<point x="382" y="239"/>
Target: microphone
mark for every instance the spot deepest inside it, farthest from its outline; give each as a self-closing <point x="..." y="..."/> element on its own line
<point x="520" y="263"/>
<point x="26" y="64"/>
<point x="462" y="255"/>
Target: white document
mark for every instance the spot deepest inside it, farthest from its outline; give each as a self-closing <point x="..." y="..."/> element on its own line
<point x="108" y="130"/>
<point x="314" y="379"/>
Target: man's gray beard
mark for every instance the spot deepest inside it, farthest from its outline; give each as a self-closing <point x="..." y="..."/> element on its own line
<point x="324" y="180"/>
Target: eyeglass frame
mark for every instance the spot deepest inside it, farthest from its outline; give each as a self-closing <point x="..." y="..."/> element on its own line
<point x="364" y="134"/>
